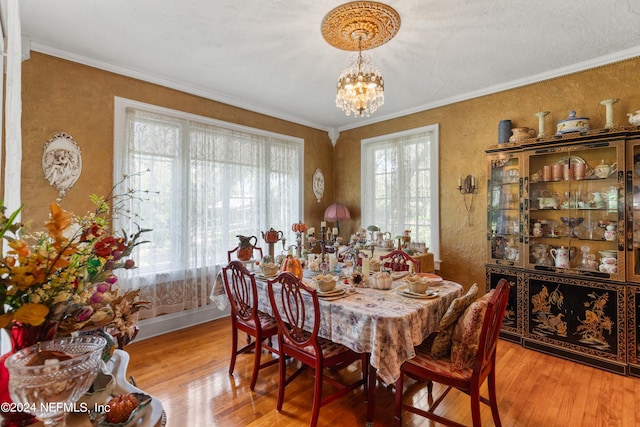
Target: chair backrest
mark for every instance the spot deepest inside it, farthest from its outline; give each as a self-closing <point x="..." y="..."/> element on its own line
<point x="399" y="260"/>
<point x="257" y="253"/>
<point x="297" y="311"/>
<point x="491" y="324"/>
<point x="240" y="285"/>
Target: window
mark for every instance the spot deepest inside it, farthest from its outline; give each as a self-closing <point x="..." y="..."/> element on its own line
<point x="399" y="187"/>
<point x="209" y="181"/>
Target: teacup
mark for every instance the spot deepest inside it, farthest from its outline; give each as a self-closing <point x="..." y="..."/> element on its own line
<point x="417" y="284"/>
<point x="326" y="283"/>
<point x="606" y="268"/>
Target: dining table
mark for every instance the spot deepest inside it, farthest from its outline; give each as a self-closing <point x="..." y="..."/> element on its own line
<point x="385" y="324"/>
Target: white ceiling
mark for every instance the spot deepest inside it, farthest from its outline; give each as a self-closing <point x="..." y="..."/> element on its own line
<point x="269" y="55"/>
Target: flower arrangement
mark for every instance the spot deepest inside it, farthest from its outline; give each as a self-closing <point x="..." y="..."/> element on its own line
<point x="65" y="274"/>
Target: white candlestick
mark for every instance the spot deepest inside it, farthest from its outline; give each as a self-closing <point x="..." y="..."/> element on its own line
<point x="335" y="231"/>
<point x="323" y="224"/>
<point x="365" y="267"/>
<point x="333" y="261"/>
<point x="459" y="181"/>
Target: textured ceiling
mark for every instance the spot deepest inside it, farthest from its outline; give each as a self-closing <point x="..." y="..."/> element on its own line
<point x="269" y="55"/>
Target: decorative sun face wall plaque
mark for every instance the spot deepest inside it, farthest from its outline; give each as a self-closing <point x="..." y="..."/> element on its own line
<point x="318" y="184"/>
<point x="61" y="162"/>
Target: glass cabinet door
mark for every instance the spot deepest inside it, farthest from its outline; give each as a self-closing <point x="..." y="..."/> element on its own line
<point x="575" y="217"/>
<point x="633" y="209"/>
<point x="504" y="224"/>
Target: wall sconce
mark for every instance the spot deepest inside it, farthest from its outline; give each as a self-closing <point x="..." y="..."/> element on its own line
<point x="468" y="186"/>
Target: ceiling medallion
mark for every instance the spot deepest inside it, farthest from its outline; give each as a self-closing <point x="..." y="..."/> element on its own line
<point x="360" y="25"/>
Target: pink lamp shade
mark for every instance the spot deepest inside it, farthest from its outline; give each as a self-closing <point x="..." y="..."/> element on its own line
<point x="336" y="212"/>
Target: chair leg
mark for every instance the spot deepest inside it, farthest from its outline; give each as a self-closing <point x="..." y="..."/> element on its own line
<point x="399" y="387"/>
<point x="491" y="383"/>
<point x="282" y="366"/>
<point x="429" y="386"/>
<point x="256" y="363"/>
<point x="317" y="396"/>
<point x="234" y="346"/>
<point x="475" y="407"/>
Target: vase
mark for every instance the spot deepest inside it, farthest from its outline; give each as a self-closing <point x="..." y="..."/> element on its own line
<point x="21" y="336"/>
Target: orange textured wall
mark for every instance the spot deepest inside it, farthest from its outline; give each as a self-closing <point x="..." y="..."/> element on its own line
<point x="63" y="96"/>
<point x="468" y="128"/>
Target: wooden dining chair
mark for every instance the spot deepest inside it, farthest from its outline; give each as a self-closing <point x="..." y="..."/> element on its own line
<point x="240" y="286"/>
<point x="257" y="253"/>
<point x="297" y="312"/>
<point x="467" y="379"/>
<point x="399" y="260"/>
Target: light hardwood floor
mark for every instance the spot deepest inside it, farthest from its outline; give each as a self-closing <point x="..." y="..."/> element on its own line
<point x="188" y="371"/>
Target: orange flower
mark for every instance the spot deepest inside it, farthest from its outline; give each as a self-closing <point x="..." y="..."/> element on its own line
<point x="60" y="221"/>
<point x="19" y="247"/>
<point x="32" y="314"/>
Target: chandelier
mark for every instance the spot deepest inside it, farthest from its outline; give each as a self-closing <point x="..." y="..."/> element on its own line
<point x="360" y="25"/>
<point x="360" y="88"/>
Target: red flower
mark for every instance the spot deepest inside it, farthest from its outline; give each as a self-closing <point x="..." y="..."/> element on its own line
<point x="110" y="247"/>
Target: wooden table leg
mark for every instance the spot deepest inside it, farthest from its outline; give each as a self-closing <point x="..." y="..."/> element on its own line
<point x="371" y="396"/>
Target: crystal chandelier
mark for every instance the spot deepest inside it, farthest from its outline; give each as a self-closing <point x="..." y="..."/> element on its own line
<point x="360" y="88"/>
<point x="360" y="25"/>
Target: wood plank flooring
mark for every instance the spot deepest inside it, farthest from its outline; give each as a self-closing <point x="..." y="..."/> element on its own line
<point x="188" y="371"/>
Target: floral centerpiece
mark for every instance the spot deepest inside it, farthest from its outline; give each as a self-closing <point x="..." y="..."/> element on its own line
<point x="64" y="276"/>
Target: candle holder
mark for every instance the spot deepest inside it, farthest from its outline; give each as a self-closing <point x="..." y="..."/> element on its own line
<point x="468" y="186"/>
<point x="326" y="238"/>
<point x="298" y="228"/>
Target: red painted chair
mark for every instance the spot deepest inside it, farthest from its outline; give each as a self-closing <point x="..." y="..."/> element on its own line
<point x="424" y="368"/>
<point x="399" y="260"/>
<point x="297" y="311"/>
<point x="240" y="286"/>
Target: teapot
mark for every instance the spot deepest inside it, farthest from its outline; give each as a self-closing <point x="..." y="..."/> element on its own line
<point x="561" y="257"/>
<point x="272" y="236"/>
<point x="522" y="133"/>
<point x="245" y="247"/>
<point x="634" y="119"/>
<point x="603" y="170"/>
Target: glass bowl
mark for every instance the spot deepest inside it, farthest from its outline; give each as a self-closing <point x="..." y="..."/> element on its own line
<point x="51" y="389"/>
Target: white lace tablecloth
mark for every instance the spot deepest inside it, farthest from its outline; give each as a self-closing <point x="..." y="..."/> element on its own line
<point x="381" y="322"/>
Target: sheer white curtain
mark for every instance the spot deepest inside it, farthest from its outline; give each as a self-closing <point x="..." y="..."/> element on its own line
<point x="208" y="182"/>
<point x="400" y="184"/>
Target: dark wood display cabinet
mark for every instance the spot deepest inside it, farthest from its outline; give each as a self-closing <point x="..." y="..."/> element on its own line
<point x="563" y="225"/>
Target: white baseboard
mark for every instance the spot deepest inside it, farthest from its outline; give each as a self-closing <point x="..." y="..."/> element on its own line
<point x="173" y="322"/>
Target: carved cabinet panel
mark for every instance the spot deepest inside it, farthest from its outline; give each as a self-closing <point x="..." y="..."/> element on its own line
<point x="512" y="325"/>
<point x="583" y="320"/>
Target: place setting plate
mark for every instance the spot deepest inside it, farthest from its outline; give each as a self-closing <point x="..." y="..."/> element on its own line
<point x="336" y="292"/>
<point x="432" y="277"/>
<point x="405" y="292"/>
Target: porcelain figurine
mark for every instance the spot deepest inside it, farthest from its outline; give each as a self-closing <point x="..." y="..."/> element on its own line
<point x="634" y="119"/>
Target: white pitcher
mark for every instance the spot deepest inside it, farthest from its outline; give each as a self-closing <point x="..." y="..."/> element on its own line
<point x="561" y="257"/>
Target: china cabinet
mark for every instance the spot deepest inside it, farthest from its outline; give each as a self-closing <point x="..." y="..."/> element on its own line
<point x="564" y="227"/>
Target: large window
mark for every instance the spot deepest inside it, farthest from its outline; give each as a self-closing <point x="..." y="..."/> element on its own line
<point x="399" y="187"/>
<point x="208" y="182"/>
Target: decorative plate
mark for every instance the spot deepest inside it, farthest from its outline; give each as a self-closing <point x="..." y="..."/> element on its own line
<point x="405" y="292"/>
<point x="431" y="277"/>
<point x="334" y="293"/>
<point x="318" y="184"/>
<point x="62" y="162"/>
